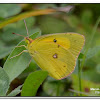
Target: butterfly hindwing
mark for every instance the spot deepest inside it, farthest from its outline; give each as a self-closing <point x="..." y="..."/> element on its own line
<point x="57" y="53"/>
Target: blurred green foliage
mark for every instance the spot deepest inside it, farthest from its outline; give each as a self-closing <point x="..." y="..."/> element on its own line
<point x="81" y="19"/>
<point x="8" y="10"/>
<point x="36" y="78"/>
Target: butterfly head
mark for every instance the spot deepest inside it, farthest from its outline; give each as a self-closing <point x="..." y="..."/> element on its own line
<point x="28" y="40"/>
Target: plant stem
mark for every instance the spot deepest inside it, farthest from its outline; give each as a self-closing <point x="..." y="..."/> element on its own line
<point x="26" y="15"/>
<point x="79" y="74"/>
<point x="58" y="88"/>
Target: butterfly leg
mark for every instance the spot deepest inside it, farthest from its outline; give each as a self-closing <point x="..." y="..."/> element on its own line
<point x="19" y="54"/>
<point x="21" y="46"/>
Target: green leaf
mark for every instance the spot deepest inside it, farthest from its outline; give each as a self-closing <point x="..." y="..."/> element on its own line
<point x="9" y="10"/>
<point x="32" y="83"/>
<point x="15" y="91"/>
<point x="32" y="67"/>
<point x="17" y="65"/>
<point x="51" y="88"/>
<point x="4" y="50"/>
<point x="4" y="82"/>
<point x="92" y="52"/>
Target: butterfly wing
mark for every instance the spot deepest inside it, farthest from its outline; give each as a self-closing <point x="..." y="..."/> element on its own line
<point x="57" y="53"/>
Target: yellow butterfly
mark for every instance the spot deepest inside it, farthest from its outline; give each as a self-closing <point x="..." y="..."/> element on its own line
<point x="56" y="53"/>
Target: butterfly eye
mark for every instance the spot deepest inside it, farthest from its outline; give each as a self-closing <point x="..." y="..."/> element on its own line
<point x="55" y="40"/>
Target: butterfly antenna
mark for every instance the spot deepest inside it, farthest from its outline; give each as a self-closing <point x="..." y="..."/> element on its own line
<point x="19" y="35"/>
<point x="26" y="27"/>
